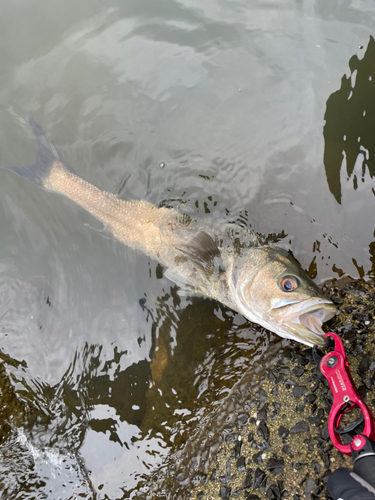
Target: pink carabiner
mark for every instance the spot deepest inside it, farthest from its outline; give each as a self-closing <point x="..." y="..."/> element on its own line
<point x="334" y="366"/>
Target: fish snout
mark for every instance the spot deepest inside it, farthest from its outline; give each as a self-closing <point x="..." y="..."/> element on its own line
<point x="303" y="320"/>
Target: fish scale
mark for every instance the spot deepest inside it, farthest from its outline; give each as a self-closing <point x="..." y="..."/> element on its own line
<point x="226" y="262"/>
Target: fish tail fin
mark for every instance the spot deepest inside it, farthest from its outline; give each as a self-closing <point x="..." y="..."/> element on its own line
<point x="38" y="172"/>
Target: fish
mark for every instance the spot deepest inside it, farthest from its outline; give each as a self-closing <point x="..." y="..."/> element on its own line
<point x="220" y="260"/>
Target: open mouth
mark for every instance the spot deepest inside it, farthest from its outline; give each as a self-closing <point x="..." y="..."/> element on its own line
<point x="304" y="319"/>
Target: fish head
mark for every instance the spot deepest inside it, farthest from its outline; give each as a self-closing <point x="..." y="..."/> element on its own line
<point x="270" y="288"/>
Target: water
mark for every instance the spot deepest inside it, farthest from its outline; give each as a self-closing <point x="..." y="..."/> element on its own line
<point x="105" y="369"/>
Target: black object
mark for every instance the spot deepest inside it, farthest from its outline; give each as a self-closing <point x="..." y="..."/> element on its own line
<point x="350" y="427"/>
<point x="344" y="484"/>
<point x="358" y="484"/>
<point x="363" y="455"/>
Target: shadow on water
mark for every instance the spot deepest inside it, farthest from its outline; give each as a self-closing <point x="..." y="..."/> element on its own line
<point x="197" y="353"/>
<point x="350" y="123"/>
<point x="102" y="427"/>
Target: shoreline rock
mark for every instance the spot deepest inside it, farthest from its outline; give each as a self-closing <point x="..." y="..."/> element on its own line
<point x="269" y="440"/>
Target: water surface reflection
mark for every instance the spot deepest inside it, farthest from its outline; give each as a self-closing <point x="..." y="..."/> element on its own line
<point x="349" y="149"/>
<point x="115" y="419"/>
<point x="350" y="121"/>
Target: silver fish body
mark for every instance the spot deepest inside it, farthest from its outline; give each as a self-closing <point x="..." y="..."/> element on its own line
<point x="223" y="261"/>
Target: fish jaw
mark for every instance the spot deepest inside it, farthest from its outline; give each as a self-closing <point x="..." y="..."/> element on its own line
<point x="299" y="320"/>
<point x="302" y="321"/>
<point x="255" y="284"/>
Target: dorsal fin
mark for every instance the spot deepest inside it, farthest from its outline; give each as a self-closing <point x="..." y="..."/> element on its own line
<point x="204" y="253"/>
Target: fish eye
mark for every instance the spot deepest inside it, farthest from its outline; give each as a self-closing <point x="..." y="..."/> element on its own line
<point x="289" y="283"/>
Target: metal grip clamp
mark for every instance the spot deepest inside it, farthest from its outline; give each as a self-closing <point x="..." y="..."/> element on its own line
<point x="334" y="366"/>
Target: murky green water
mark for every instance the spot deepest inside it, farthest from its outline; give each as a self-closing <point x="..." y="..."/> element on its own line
<point x="105" y="369"/>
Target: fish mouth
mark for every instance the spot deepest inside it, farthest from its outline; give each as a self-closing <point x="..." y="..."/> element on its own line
<point x="304" y="320"/>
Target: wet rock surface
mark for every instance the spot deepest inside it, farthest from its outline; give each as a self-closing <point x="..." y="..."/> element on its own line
<point x="270" y="438"/>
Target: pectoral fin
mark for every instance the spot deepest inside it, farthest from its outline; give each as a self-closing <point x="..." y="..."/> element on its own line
<point x="204" y="253"/>
<point x="186" y="289"/>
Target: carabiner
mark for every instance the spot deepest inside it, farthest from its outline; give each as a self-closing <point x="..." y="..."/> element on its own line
<point x="334" y="366"/>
